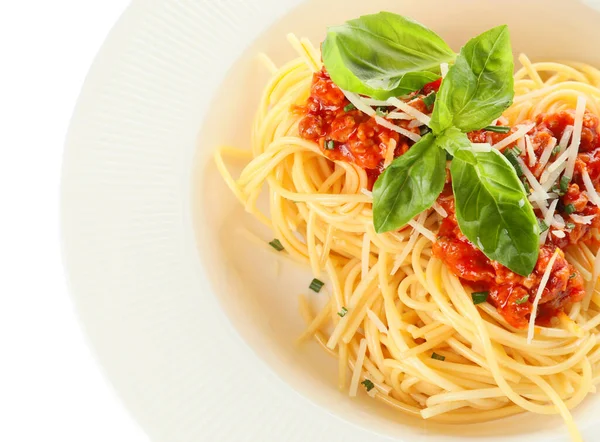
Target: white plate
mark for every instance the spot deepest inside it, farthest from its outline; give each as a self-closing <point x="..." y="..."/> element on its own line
<point x="140" y="192"/>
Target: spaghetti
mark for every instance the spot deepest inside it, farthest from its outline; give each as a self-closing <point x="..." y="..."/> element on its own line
<point x="402" y="319"/>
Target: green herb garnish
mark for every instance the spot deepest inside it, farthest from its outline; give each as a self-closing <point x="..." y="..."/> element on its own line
<point x="381" y="111"/>
<point x="479" y="297"/>
<point x="438" y="357"/>
<point x="429" y="100"/>
<point x="349" y="107"/>
<point x="276" y="244"/>
<point x="343" y="312"/>
<point x="543" y="225"/>
<point x="522" y="300"/>
<point x="570" y="208"/>
<point x="498" y="129"/>
<point x="570" y="226"/>
<point x="368" y="385"/>
<point x="564" y="184"/>
<point x="329" y="144"/>
<point x="316" y="285"/>
<point x="511" y="156"/>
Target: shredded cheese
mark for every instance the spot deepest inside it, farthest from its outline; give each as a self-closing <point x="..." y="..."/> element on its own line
<point x="359" y="103"/>
<point x="378" y="323"/>
<point x="419" y="227"/>
<point x="589" y="188"/>
<point x="559" y="233"/>
<point x="519" y="133"/>
<point x="408" y="134"/>
<point x="399" y="116"/>
<point x="535" y="185"/>
<point x="566" y="137"/>
<point x="389" y="153"/>
<point x="548" y="217"/>
<point x="360" y="358"/>
<point x="530" y="151"/>
<point x="576" y="141"/>
<point x="440" y="210"/>
<point x="546" y="154"/>
<point x="580" y="219"/>
<point x="409" y="245"/>
<point x="410" y="110"/>
<point x="444" y="69"/>
<point x="538" y="295"/>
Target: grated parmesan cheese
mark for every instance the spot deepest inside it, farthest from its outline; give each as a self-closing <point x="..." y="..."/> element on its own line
<point x="385" y="123"/>
<point x="419" y="227"/>
<point x="378" y="323"/>
<point x="520" y="133"/>
<point x="359" y="103"/>
<point x="360" y="358"/>
<point x="580" y="219"/>
<point x="538" y="190"/>
<point x="576" y="141"/>
<point x="546" y="154"/>
<point x="538" y="295"/>
<point x="559" y="233"/>
<point x="548" y="217"/>
<point x="589" y="188"/>
<point x="399" y="116"/>
<point x="405" y="107"/>
<point x="440" y="210"/>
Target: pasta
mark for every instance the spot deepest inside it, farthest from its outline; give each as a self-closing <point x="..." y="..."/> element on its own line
<point x="399" y="320"/>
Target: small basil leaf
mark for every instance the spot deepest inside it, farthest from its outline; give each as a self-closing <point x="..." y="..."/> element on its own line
<point x="479" y="86"/>
<point x="457" y="144"/>
<point x="409" y="185"/>
<point x="383" y="55"/>
<point x="493" y="211"/>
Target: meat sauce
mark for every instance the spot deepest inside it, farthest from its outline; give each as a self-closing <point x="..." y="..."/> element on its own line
<point x="347" y="134"/>
<point x="351" y="135"/>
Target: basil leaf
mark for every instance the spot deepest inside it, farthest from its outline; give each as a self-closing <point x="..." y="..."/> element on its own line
<point x="479" y="86"/>
<point x="493" y="211"/>
<point x="383" y="55"/>
<point x="409" y="185"/>
<point x="457" y="144"/>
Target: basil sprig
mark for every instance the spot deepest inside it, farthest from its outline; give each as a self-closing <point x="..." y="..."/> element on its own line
<point x="479" y="86"/>
<point x="409" y="185"/>
<point x="384" y="55"/>
<point x="493" y="212"/>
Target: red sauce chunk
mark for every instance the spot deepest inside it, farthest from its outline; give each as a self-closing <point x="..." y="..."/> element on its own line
<point x="347" y="134"/>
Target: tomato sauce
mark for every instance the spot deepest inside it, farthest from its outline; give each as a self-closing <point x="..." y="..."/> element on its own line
<point x="347" y="134"/>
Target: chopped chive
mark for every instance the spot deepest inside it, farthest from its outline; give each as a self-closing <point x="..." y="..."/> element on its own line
<point x="368" y="385"/>
<point x="316" y="285"/>
<point x="342" y="312"/>
<point x="564" y="184"/>
<point x="517" y="151"/>
<point x="276" y="245"/>
<point x="570" y="208"/>
<point x="429" y="100"/>
<point x="349" y="107"/>
<point x="522" y="300"/>
<point x="570" y="226"/>
<point x="543" y="225"/>
<point x="381" y="111"/>
<point x="498" y="129"/>
<point x="526" y="185"/>
<point x="556" y="150"/>
<point x="438" y="357"/>
<point x="479" y="297"/>
<point x="573" y="275"/>
<point x="512" y="158"/>
<point x="424" y="130"/>
<point x="329" y="144"/>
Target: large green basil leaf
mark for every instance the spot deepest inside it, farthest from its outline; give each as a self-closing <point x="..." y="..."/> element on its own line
<point x="409" y="185"/>
<point x="493" y="211"/>
<point x="457" y="144"/>
<point x="479" y="86"/>
<point x="383" y="55"/>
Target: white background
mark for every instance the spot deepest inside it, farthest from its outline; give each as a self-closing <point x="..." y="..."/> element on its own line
<point x="51" y="387"/>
